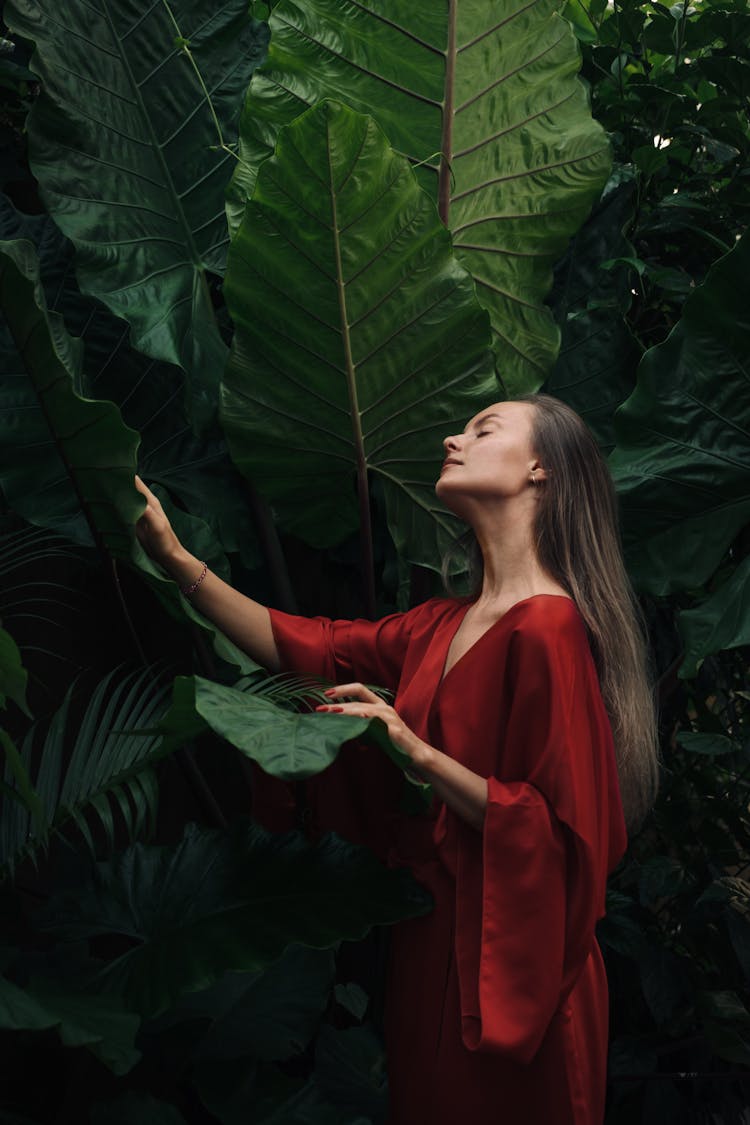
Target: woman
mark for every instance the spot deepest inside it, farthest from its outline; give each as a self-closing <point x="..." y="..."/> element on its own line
<point x="506" y="703"/>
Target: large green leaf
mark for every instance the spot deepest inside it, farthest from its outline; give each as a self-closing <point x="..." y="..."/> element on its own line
<point x="124" y="146"/>
<point x="270" y="1015"/>
<point x="722" y="621"/>
<point x="67" y="461"/>
<point x="683" y="437"/>
<point x="208" y="904"/>
<point x="489" y="84"/>
<point x="284" y="743"/>
<point x="595" y="370"/>
<point x="197" y="471"/>
<point x="371" y="346"/>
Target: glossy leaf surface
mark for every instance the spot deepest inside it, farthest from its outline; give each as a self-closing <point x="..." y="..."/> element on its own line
<point x="140" y="188"/>
<point x="490" y="85"/>
<point x="284" y="743"/>
<point x="149" y="394"/>
<point x="371" y="346"/>
<point x="67" y="461"/>
<point x="683" y="437"/>
<point x="236" y="904"/>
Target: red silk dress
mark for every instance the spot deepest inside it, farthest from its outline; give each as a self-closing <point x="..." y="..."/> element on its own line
<point x="496" y="1002"/>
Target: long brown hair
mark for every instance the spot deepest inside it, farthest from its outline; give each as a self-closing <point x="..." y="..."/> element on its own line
<point x="578" y="544"/>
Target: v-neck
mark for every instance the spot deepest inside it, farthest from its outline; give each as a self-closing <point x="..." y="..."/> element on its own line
<point x="445" y="674"/>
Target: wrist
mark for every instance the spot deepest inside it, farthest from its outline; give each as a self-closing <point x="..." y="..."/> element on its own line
<point x="423" y="756"/>
<point x="181" y="566"/>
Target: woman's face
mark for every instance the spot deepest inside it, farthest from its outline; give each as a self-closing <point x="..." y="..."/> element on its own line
<point x="492" y="459"/>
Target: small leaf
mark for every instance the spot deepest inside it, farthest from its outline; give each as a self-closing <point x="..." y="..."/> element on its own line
<point x="698" y="742"/>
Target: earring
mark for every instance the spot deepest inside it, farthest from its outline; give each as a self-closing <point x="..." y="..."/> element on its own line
<point x="533" y="479"/>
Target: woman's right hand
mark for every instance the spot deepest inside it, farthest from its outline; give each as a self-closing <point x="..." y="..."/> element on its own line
<point x="246" y="622"/>
<point x="154" y="530"/>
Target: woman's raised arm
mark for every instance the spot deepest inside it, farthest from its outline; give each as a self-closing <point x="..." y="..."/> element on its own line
<point x="247" y="623"/>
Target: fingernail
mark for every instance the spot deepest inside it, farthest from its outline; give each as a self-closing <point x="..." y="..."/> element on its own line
<point x="330" y="691"/>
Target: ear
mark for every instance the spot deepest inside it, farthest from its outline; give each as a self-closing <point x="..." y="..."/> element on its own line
<point x="535" y="467"/>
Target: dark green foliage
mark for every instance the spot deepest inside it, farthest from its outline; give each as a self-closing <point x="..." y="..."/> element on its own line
<point x="164" y="974"/>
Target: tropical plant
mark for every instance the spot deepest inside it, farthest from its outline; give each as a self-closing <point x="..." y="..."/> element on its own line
<point x="380" y="266"/>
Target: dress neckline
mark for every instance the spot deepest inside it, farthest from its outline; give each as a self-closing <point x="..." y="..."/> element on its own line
<point x="523" y="601"/>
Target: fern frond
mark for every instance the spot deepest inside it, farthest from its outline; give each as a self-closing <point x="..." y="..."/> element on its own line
<point x="108" y="769"/>
<point x="294" y="692"/>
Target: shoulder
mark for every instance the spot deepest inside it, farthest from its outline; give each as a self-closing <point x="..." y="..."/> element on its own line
<point x="548" y="624"/>
<point x="428" y="614"/>
<point x="419" y="619"/>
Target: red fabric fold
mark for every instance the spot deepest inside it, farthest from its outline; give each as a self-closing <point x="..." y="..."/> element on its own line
<point x="510" y="944"/>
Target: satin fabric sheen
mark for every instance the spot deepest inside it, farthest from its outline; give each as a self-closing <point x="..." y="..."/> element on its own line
<point x="496" y="1004"/>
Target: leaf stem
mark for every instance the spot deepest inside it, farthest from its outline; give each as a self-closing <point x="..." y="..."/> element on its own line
<point x="183" y="44"/>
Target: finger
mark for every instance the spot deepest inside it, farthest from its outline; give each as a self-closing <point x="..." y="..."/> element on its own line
<point x="353" y="691"/>
<point x="142" y="488"/>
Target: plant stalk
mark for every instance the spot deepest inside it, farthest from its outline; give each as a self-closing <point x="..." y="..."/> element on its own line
<point x="446" y="145"/>
<point x="363" y="492"/>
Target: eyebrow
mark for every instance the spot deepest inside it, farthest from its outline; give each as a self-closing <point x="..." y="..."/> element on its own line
<point x="485" y="418"/>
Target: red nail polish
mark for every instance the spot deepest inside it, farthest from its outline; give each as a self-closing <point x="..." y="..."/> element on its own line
<point x="330" y="691"/>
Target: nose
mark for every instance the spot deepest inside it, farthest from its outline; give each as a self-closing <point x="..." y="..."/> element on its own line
<point x="451" y="444"/>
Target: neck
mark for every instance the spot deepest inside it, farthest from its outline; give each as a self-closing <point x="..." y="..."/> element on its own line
<point x="512" y="570"/>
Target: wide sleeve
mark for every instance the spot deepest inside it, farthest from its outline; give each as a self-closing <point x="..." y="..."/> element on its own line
<point x="343" y="651"/>
<point x="531" y="886"/>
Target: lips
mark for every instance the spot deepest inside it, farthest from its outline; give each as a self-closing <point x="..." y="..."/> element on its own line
<point x="450" y="461"/>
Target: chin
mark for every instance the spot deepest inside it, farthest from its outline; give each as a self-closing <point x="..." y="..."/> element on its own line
<point x="449" y="497"/>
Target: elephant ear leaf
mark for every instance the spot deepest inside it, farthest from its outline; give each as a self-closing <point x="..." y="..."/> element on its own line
<point x="371" y="346"/>
<point x="123" y="142"/>
<point x="483" y="98"/>
<point x="237" y="903"/>
<point x="683" y="437"/>
<point x="70" y="466"/>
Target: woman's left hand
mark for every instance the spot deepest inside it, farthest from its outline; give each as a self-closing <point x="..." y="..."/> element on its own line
<point x="356" y="699"/>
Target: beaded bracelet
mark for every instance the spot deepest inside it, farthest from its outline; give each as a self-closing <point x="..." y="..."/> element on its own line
<point x="188" y="590"/>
